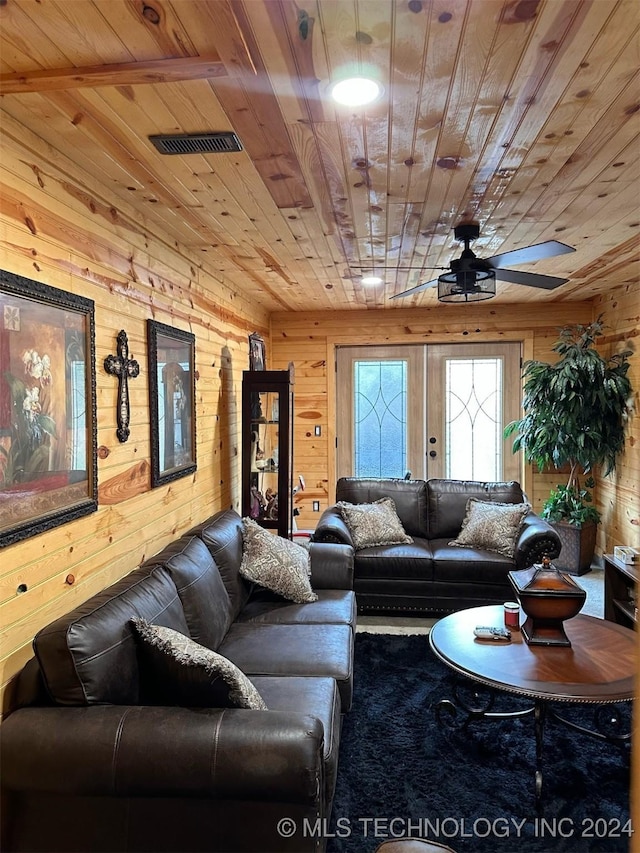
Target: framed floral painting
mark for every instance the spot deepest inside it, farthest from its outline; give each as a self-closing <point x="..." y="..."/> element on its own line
<point x="48" y="453"/>
<point x="172" y="402"/>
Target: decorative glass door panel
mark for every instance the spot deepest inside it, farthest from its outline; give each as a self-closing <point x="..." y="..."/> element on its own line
<point x="473" y="391"/>
<point x="380" y="445"/>
<point x="380" y="421"/>
<point x="473" y="418"/>
<point x="391" y="421"/>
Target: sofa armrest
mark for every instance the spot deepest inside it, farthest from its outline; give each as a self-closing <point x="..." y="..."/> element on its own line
<point x="331" y="565"/>
<point x="537" y="539"/>
<point x="332" y="528"/>
<point x="146" y="751"/>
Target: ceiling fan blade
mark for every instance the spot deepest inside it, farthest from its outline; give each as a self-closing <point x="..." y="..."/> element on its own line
<point x="416" y="289"/>
<point x="529" y="254"/>
<point x="532" y="279"/>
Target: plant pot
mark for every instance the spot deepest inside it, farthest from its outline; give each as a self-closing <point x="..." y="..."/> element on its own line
<point x="578" y="546"/>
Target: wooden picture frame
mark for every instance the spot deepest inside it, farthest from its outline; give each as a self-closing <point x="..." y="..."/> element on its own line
<point x="171" y="402"/>
<point x="257" y="357"/>
<point x="48" y="433"/>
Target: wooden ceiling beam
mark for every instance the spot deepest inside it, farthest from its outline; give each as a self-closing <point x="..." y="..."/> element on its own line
<point x="118" y="74"/>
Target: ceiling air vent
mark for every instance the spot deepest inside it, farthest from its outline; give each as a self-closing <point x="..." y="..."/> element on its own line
<point x="196" y="143"/>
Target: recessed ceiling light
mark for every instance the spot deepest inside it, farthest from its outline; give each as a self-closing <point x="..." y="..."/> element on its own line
<point x="356" y="91"/>
<point x="371" y="279"/>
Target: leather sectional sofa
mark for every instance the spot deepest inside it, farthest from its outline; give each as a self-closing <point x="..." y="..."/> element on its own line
<point x="429" y="574"/>
<point x="89" y="765"/>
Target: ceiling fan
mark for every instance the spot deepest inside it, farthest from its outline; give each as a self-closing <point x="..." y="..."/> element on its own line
<point x="471" y="279"/>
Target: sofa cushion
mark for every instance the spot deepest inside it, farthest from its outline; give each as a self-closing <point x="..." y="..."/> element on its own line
<point x="315" y="697"/>
<point x="469" y="565"/>
<point x="222" y="534"/>
<point x="409" y="497"/>
<point x="181" y="672"/>
<point x="89" y="656"/>
<point x="374" y="523"/>
<point x="204" y="597"/>
<point x="491" y="526"/>
<point x="310" y="650"/>
<point x="395" y="562"/>
<point x="276" y="563"/>
<point x="333" y="607"/>
<point x="447" y="502"/>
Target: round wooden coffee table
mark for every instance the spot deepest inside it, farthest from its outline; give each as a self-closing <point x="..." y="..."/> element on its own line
<point x="598" y="668"/>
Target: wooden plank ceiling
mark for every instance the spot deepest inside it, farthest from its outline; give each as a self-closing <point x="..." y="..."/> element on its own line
<point x="521" y="115"/>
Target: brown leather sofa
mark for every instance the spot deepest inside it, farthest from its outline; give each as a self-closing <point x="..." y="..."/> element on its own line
<point x="88" y="766"/>
<point x="430" y="575"/>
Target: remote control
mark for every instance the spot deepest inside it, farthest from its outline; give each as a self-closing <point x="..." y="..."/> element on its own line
<point x="491" y="632"/>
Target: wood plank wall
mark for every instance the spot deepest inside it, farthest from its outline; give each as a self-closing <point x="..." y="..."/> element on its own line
<point x="618" y="496"/>
<point x="309" y="340"/>
<point x="58" y="230"/>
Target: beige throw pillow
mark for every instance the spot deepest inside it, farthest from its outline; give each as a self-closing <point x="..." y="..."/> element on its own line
<point x="491" y="526"/>
<point x="182" y="672"/>
<point x="373" y="524"/>
<point x="276" y="563"/>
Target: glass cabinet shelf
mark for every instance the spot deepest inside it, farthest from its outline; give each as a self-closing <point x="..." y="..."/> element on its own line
<point x="267" y="448"/>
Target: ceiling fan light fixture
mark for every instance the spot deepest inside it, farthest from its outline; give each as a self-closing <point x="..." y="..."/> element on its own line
<point x="466" y="286"/>
<point x="370" y="280"/>
<point x="355" y="91"/>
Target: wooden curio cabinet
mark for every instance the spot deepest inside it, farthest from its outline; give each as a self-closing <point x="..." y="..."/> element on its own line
<point x="621" y="587"/>
<point x="267" y="448"/>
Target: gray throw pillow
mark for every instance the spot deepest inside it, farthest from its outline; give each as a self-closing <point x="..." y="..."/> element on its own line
<point x="275" y="563"/>
<point x="491" y="526"/>
<point x="179" y="671"/>
<point x="373" y="524"/>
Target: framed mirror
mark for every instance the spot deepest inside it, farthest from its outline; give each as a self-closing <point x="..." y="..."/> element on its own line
<point x="171" y="402"/>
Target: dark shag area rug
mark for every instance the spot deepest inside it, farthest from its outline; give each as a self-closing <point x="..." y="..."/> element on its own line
<point x="402" y="773"/>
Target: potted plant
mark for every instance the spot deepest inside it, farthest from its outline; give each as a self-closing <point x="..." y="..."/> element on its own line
<point x="575" y="416"/>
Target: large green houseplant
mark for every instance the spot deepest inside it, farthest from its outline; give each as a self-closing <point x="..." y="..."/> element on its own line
<point x="575" y="415"/>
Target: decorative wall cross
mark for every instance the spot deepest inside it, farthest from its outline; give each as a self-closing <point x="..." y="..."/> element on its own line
<point x="123" y="367"/>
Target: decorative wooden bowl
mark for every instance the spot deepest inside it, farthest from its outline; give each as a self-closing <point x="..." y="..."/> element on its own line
<point x="548" y="597"/>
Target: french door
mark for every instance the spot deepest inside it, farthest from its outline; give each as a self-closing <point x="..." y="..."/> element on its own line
<point x="427" y="411"/>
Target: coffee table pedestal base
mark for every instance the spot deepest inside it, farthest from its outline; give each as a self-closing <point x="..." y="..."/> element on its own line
<point x="598" y="671"/>
<point x="608" y="720"/>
